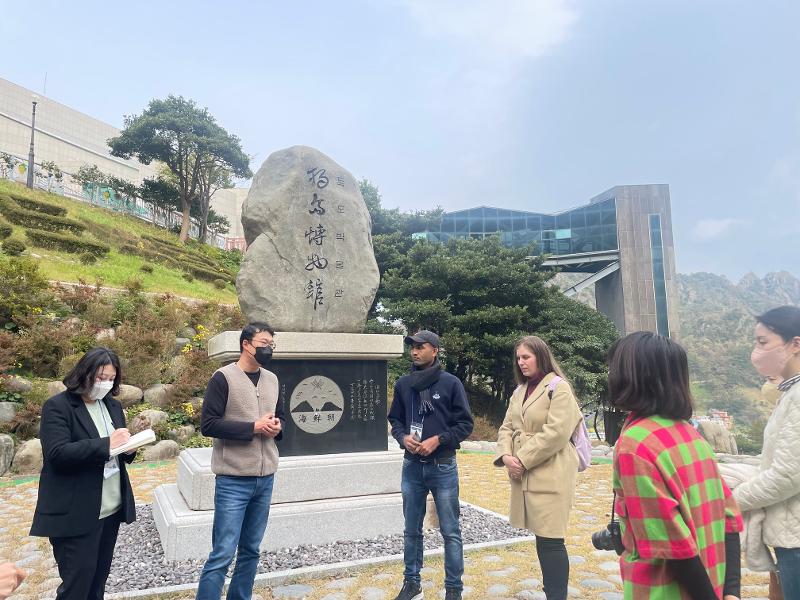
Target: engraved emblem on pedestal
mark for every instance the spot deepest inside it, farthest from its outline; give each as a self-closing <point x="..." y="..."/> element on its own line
<point x="316" y="404"/>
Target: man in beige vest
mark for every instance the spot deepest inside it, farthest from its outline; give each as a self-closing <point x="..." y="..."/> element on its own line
<point x="241" y="412"/>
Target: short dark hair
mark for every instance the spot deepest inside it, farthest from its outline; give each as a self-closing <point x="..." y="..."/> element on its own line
<point x="648" y="374"/>
<point x="80" y="380"/>
<point x="251" y="329"/>
<point x="783" y="320"/>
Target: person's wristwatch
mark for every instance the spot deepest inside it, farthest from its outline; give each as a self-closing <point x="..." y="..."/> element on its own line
<point x="441" y="439"/>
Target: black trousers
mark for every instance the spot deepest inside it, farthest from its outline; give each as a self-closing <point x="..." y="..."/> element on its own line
<point x="84" y="561"/>
<point x="554" y="561"/>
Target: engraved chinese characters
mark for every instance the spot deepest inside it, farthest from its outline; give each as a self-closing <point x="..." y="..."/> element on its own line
<point x="309" y="265"/>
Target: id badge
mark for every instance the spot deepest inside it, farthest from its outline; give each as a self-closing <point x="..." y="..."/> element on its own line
<point x="416" y="430"/>
<point x="111" y="468"/>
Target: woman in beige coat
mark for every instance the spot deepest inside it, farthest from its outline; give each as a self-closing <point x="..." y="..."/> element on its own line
<point x="534" y="445"/>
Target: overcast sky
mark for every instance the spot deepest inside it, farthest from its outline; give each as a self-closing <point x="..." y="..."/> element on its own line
<point x="526" y="104"/>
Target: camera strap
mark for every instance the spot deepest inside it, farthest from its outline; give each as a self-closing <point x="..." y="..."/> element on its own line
<point x="613" y="507"/>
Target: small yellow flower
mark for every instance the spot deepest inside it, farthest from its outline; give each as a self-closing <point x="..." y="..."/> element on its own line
<point x="186" y="349"/>
<point x="188" y="408"/>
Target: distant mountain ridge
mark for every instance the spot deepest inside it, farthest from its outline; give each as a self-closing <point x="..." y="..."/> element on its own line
<point x="717" y="321"/>
<point x="779" y="288"/>
<point x="717" y="318"/>
<point x="710" y="303"/>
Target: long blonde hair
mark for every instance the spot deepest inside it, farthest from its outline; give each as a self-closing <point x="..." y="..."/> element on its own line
<point x="545" y="361"/>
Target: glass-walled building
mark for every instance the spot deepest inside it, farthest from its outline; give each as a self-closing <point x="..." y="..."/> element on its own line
<point x="589" y="228"/>
<point x="621" y="240"/>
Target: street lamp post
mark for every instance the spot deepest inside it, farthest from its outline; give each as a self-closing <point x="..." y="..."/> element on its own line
<point x="34" y="100"/>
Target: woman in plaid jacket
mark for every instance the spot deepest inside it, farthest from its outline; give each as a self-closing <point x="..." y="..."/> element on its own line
<point x="679" y="521"/>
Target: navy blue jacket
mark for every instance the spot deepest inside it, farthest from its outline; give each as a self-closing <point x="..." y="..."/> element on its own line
<point x="451" y="417"/>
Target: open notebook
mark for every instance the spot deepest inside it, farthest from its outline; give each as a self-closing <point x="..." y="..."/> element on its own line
<point x="142" y="438"/>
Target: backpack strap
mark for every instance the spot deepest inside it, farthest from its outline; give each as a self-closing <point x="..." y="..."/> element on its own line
<point x="552" y="386"/>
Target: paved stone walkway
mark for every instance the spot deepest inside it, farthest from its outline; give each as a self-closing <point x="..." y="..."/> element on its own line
<point x="493" y="574"/>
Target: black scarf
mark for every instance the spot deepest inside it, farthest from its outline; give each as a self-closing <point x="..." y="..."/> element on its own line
<point x="422" y="380"/>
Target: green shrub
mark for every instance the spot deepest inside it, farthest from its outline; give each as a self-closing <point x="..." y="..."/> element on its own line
<point x="25" y="423"/>
<point x="146" y="344"/>
<point x="5" y="229"/>
<point x="32" y="219"/>
<point x="199" y="441"/>
<point x="42" y="343"/>
<point x="188" y="277"/>
<point x="22" y="288"/>
<point x="38" y="393"/>
<point x="205" y="274"/>
<point x="151" y="255"/>
<point x="8" y="350"/>
<point x="126" y="307"/>
<point x="78" y="298"/>
<point x="67" y="363"/>
<point x="67" y="243"/>
<point x="214" y="267"/>
<point x="134" y="286"/>
<point x="231" y="259"/>
<point x="135" y="409"/>
<point x="177" y="252"/>
<point x="13" y="247"/>
<point x="146" y="268"/>
<point x="39" y="206"/>
<point x="10" y="396"/>
<point x="168" y="254"/>
<point x="87" y="258"/>
<point x="220" y="284"/>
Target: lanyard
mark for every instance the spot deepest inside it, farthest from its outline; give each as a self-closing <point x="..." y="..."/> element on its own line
<point x="102" y="416"/>
<point x="413" y="414"/>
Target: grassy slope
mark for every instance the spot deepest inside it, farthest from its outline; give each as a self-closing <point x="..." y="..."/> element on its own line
<point x="116" y="268"/>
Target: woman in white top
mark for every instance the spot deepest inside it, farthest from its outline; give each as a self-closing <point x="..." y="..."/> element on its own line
<point x="776" y="488"/>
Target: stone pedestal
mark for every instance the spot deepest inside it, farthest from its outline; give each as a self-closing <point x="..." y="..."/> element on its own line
<point x="336" y="480"/>
<point x="301" y="478"/>
<point x="316" y="500"/>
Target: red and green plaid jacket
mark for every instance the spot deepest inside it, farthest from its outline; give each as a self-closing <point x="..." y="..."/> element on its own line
<point x="672" y="503"/>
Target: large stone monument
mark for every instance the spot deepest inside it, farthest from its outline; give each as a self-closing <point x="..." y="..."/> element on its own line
<point x="310" y="272"/>
<point x="309" y="264"/>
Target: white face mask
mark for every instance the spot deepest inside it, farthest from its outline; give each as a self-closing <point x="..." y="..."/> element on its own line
<point x="100" y="389"/>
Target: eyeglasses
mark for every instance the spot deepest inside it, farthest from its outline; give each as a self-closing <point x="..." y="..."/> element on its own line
<point x="263" y="344"/>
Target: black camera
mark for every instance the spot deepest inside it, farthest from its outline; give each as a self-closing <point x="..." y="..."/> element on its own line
<point x="609" y="539"/>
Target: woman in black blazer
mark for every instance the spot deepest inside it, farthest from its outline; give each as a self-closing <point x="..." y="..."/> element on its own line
<point x="84" y="494"/>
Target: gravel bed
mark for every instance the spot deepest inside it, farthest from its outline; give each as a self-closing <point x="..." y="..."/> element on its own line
<point x="139" y="558"/>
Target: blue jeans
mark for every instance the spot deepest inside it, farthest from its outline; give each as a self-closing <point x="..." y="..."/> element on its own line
<point x="241" y="509"/>
<point x="442" y="481"/>
<point x="789" y="572"/>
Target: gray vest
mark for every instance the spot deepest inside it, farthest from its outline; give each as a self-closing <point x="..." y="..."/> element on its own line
<point x="259" y="456"/>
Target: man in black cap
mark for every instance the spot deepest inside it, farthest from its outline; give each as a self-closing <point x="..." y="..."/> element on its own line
<point x="430" y="418"/>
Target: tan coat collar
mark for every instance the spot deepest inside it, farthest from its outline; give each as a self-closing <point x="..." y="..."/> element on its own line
<point x="537" y="391"/>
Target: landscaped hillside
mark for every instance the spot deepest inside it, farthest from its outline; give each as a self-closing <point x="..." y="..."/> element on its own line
<point x="74" y="241"/>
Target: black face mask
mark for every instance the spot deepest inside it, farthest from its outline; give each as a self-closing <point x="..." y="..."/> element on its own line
<point x="263" y="355"/>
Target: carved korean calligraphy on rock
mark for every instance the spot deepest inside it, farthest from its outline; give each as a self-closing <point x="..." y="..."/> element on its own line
<point x="306" y="268"/>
